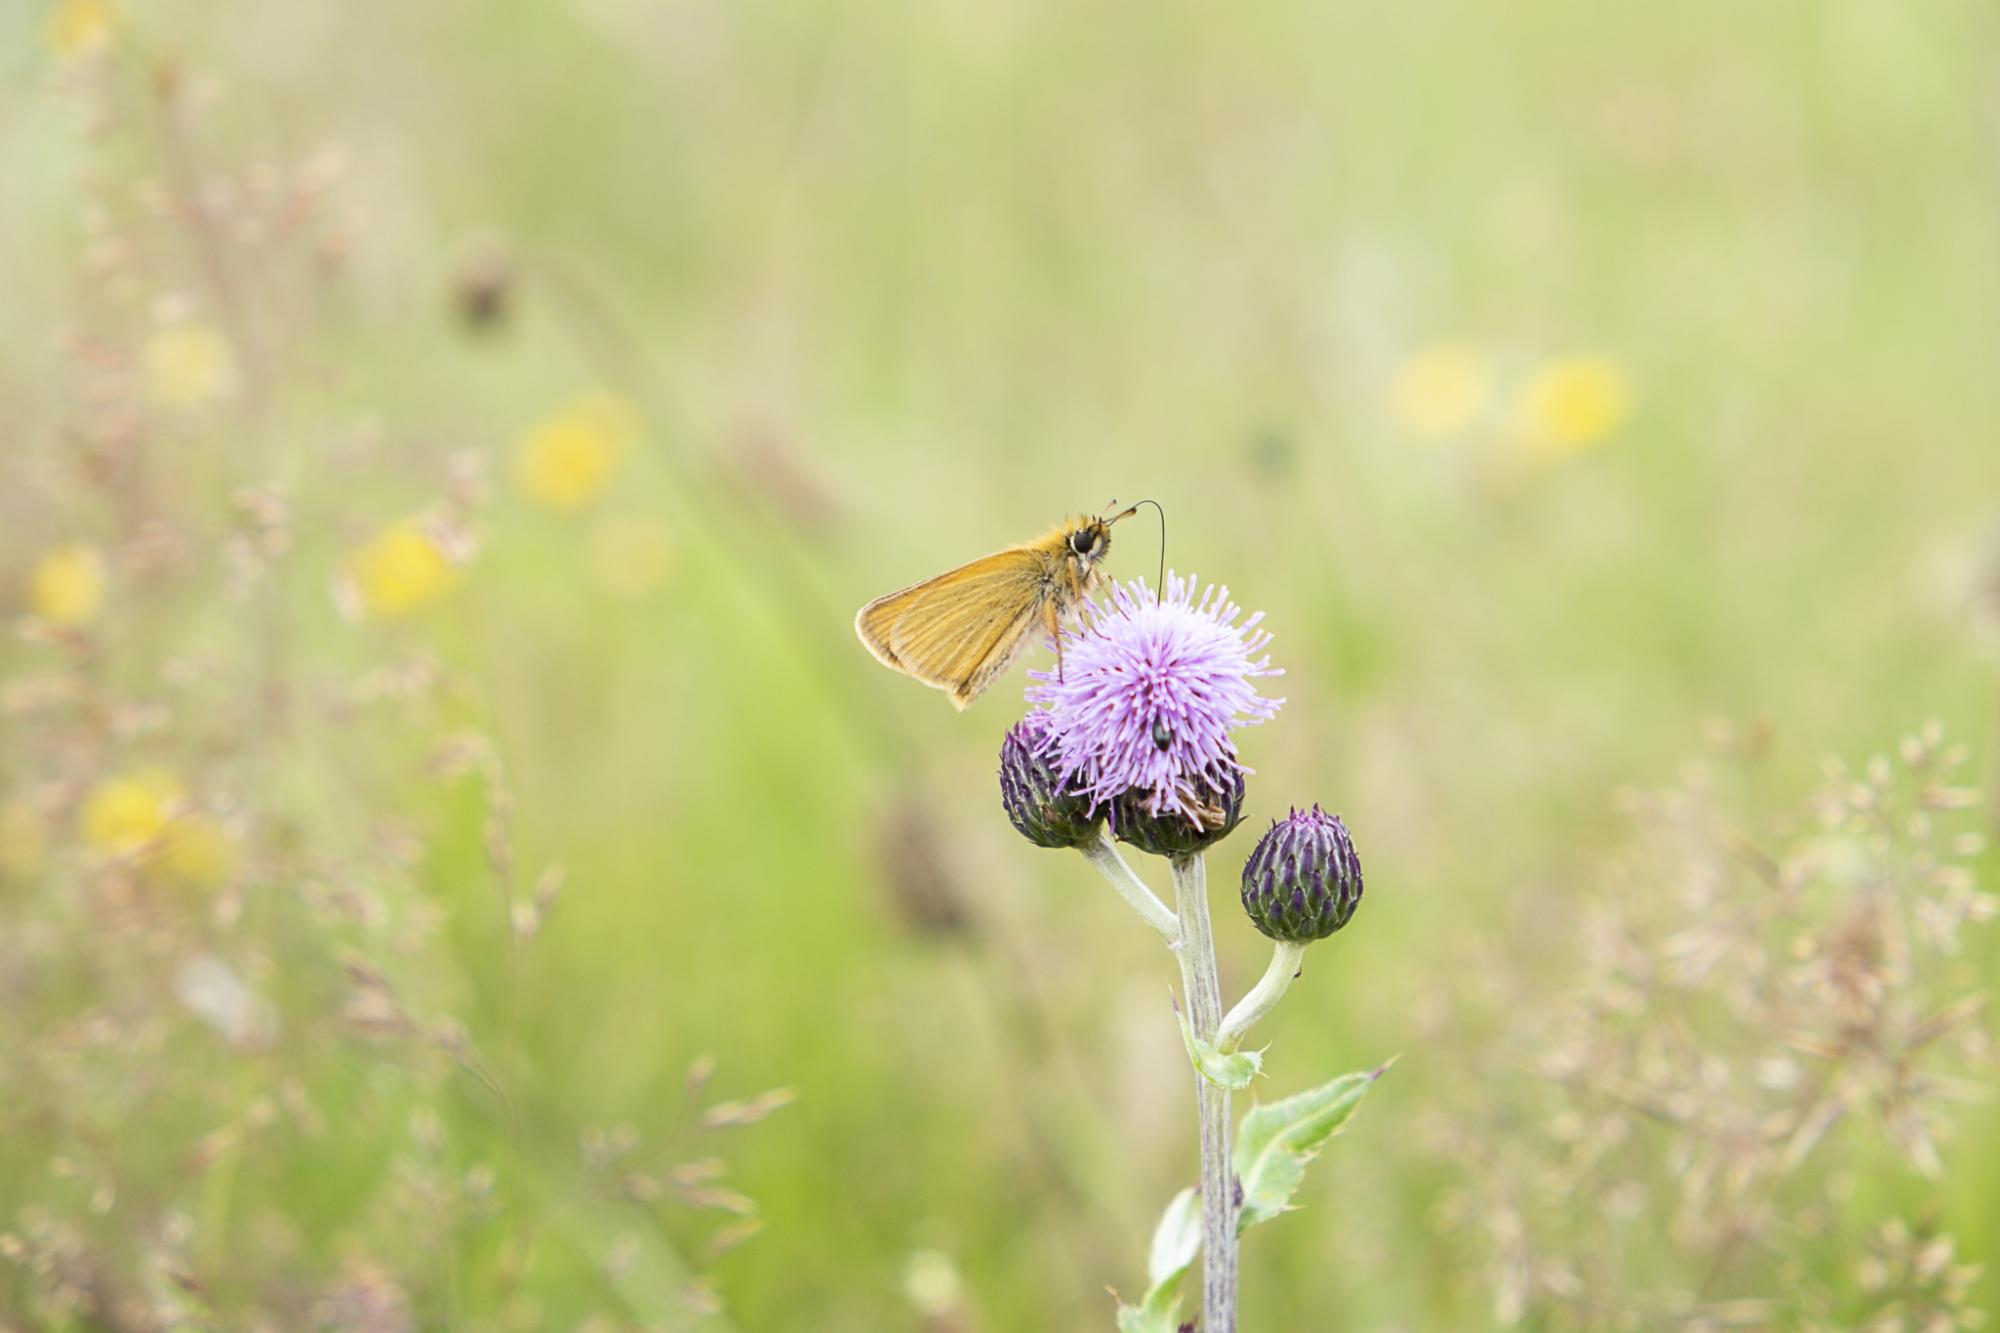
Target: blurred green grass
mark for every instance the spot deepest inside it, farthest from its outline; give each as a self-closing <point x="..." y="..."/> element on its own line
<point x="972" y="267"/>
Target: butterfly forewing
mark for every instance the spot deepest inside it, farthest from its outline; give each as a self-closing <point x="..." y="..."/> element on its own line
<point x="958" y="631"/>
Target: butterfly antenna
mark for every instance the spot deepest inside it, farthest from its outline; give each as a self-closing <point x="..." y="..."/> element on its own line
<point x="1159" y="589"/>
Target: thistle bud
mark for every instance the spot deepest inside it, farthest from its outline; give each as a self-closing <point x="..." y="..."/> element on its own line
<point x="1303" y="881"/>
<point x="1178" y="832"/>
<point x="1046" y="810"/>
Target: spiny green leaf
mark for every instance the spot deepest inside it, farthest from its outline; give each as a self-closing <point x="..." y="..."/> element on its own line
<point x="1275" y="1142"/>
<point x="1156" y="1314"/>
<point x="1233" y="1071"/>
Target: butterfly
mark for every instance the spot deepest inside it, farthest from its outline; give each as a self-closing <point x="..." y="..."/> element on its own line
<point x="961" y="630"/>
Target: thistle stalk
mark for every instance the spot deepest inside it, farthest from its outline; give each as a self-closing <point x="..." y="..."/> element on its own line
<point x="1286" y="959"/>
<point x="1196" y="953"/>
<point x="1103" y="854"/>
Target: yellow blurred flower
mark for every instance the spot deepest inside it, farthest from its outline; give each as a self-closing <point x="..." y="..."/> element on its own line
<point x="24" y="841"/>
<point x="67" y="585"/>
<point x="196" y="851"/>
<point x="567" y="460"/>
<point x="630" y="556"/>
<point x="401" y="570"/>
<point x="187" y="365"/>
<point x="78" y="28"/>
<point x="145" y="813"/>
<point x="1442" y="390"/>
<point x="129" y="813"/>
<point x="1572" y="403"/>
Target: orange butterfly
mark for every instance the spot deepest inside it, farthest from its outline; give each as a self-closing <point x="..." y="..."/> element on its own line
<point x="960" y="631"/>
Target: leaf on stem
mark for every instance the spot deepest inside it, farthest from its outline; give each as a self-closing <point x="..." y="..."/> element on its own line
<point x="1156" y="1315"/>
<point x="1176" y="1241"/>
<point x="1232" y="1071"/>
<point x="1275" y="1142"/>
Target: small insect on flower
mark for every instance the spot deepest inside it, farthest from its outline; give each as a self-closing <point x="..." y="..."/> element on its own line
<point x="961" y="630"/>
<point x="1176" y="832"/>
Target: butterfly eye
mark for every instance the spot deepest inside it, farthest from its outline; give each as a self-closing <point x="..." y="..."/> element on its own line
<point x="1083" y="542"/>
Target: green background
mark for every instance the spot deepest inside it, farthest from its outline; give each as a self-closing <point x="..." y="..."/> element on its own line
<point x="909" y="283"/>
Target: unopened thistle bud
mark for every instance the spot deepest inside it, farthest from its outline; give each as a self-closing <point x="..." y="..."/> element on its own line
<point x="1046" y="810"/>
<point x="1175" y="831"/>
<point x="1303" y="881"/>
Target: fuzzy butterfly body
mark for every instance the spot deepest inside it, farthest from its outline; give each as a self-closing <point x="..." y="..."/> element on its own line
<point x="960" y="631"/>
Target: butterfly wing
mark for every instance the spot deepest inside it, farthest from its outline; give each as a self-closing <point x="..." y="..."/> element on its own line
<point x="960" y="630"/>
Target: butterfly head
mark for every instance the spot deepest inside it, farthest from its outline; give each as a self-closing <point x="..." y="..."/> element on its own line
<point x="1089" y="541"/>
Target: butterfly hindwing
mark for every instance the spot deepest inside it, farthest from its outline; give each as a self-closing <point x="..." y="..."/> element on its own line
<point x="959" y="630"/>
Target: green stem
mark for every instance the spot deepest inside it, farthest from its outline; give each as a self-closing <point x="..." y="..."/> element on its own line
<point x="1196" y="952"/>
<point x="1286" y="959"/>
<point x="1104" y="855"/>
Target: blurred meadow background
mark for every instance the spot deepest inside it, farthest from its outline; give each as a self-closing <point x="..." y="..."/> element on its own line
<point x="458" y="870"/>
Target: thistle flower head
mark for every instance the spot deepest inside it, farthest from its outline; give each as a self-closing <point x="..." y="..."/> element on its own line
<point x="1044" y="809"/>
<point x="1150" y="691"/>
<point x="1173" y="833"/>
<point x="1303" y="881"/>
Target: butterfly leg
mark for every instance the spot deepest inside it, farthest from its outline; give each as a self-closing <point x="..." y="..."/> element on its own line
<point x="1055" y="631"/>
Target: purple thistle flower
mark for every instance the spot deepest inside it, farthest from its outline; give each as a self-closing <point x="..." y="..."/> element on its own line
<point x="1150" y="692"/>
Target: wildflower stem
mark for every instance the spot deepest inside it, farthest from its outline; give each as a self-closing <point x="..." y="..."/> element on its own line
<point x="1286" y="959"/>
<point x="1196" y="951"/>
<point x="1104" y="855"/>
